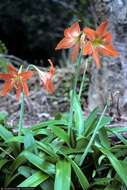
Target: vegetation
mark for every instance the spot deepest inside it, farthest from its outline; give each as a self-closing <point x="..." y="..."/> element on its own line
<point x="72" y="151"/>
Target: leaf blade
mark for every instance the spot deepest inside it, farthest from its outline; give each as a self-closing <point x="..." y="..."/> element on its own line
<point x="63" y="175"/>
<point x="34" y="180"/>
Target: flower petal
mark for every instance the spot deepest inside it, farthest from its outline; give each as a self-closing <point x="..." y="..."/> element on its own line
<point x="25" y="88"/>
<point x="48" y="85"/>
<point x="73" y="30"/>
<point x="12" y="69"/>
<point x="87" y="48"/>
<point x="107" y="37"/>
<point x="26" y="75"/>
<point x="6" y="76"/>
<point x="65" y="43"/>
<point x="7" y="87"/>
<point x="102" y="28"/>
<point x="74" y="52"/>
<point x="109" y="50"/>
<point x="52" y="68"/>
<point x="90" y="33"/>
<point x="96" y="58"/>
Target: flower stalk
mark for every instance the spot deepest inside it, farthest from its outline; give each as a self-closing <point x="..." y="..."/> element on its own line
<point x="83" y="79"/>
<point x="73" y="91"/>
<point x="21" y="117"/>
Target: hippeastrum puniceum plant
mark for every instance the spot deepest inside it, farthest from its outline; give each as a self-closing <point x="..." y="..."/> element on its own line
<point x="92" y="42"/>
<point x="73" y="38"/>
<point x="15" y="79"/>
<point x="99" y="43"/>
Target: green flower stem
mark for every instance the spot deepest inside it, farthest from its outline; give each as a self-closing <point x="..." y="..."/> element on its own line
<point x="77" y="71"/>
<point x="21" y="119"/>
<point x="74" y="85"/>
<point x="92" y="137"/>
<point x="83" y="80"/>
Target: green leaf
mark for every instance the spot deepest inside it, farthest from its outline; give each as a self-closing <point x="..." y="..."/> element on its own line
<point x="116" y="164"/>
<point x="11" y="179"/>
<point x="18" y="139"/>
<point x="118" y="129"/>
<point x="102" y="181"/>
<point x="34" y="180"/>
<point x="40" y="132"/>
<point x="48" y="123"/>
<point x="5" y="133"/>
<point x="59" y="132"/>
<point x="3" y="116"/>
<point x="90" y="122"/>
<point x="106" y="120"/>
<point x="15" y="164"/>
<point x="119" y="135"/>
<point x="78" y="115"/>
<point x="47" y="149"/>
<point x="26" y="171"/>
<point x="2" y="163"/>
<point x="105" y="141"/>
<point x="29" y="141"/>
<point x="81" y="176"/>
<point x="40" y="163"/>
<point x="63" y="175"/>
<point x="92" y="137"/>
<point x="48" y="184"/>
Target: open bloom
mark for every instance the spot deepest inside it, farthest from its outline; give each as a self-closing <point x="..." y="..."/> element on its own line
<point x="15" y="79"/>
<point x="72" y="39"/>
<point x="99" y="42"/>
<point x="46" y="77"/>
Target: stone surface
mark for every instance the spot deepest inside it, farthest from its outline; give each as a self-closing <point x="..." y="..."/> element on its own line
<point x="111" y="81"/>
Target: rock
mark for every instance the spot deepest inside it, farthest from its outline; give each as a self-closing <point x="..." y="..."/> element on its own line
<point x="112" y="78"/>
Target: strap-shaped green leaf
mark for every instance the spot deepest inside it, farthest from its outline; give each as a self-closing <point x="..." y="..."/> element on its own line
<point x="40" y="163"/>
<point x="78" y="114"/>
<point x="81" y="176"/>
<point x="63" y="175"/>
<point x="34" y="180"/>
<point x="116" y="164"/>
<point x="59" y="132"/>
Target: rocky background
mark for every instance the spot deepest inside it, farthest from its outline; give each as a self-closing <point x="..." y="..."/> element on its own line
<point x="110" y="83"/>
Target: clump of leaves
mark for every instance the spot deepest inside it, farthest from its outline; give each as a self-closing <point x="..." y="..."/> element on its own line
<point x="44" y="155"/>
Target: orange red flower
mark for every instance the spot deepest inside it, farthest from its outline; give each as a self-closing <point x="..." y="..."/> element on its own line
<point x="99" y="43"/>
<point x="46" y="77"/>
<point x="15" y="79"/>
<point x="72" y="39"/>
